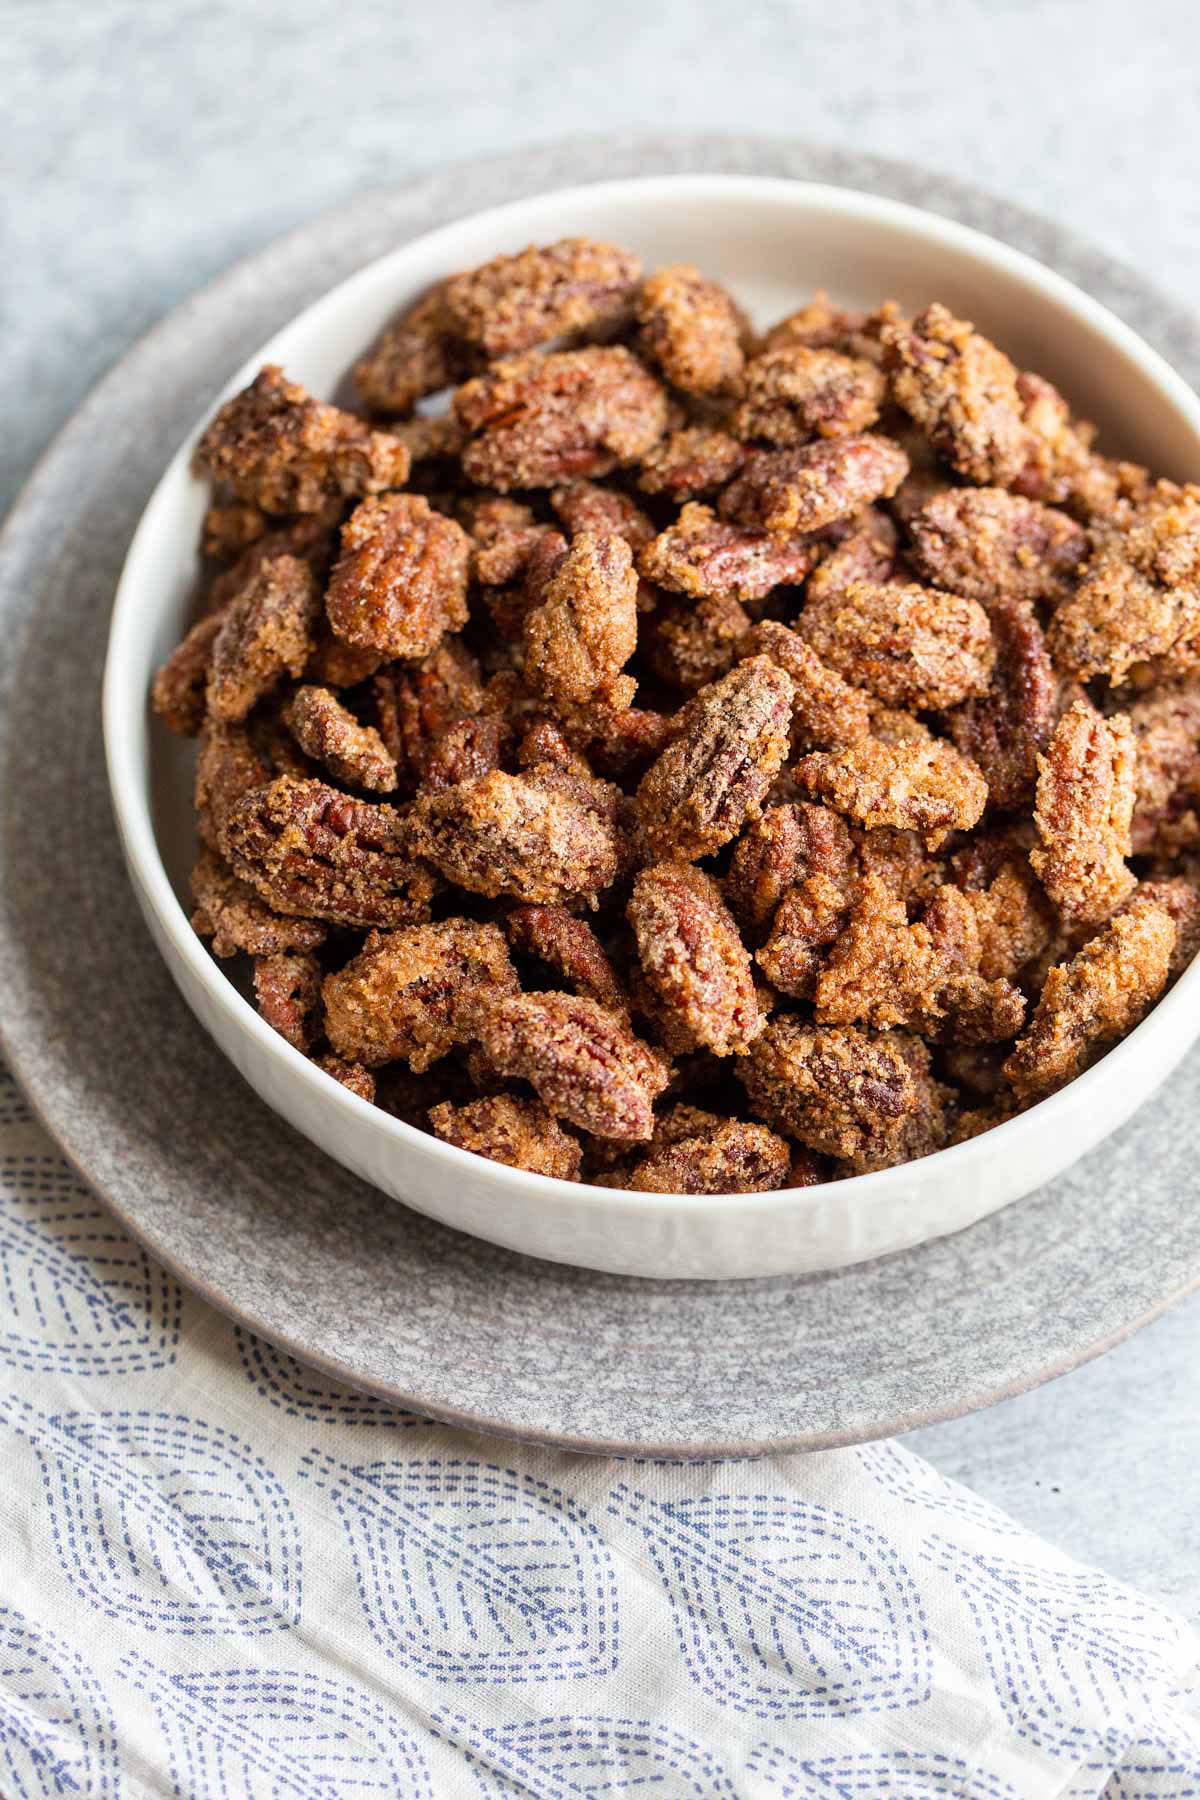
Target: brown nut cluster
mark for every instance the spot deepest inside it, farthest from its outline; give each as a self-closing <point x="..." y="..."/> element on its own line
<point x="902" y="834"/>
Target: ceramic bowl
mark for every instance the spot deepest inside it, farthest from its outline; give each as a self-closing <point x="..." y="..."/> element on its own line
<point x="773" y="242"/>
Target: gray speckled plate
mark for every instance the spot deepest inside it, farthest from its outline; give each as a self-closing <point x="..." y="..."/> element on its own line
<point x="285" y="1240"/>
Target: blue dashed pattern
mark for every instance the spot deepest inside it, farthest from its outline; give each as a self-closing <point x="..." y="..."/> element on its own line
<point x="905" y="1477"/>
<point x="586" y="1758"/>
<point x="57" y="1732"/>
<point x="303" y="1394"/>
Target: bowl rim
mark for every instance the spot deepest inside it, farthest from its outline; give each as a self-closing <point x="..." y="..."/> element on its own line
<point x="131" y="792"/>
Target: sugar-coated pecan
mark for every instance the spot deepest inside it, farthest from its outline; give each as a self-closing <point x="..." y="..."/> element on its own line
<point x="229" y="765"/>
<point x="335" y="664"/>
<point x="1060" y="465"/>
<point x="690" y="464"/>
<point x="989" y="544"/>
<point x="287" y="990"/>
<point x="547" y="291"/>
<point x="231" y="913"/>
<point x="349" y="1075"/>
<point x="586" y="506"/>
<point x="789" y="845"/>
<point x="230" y="527"/>
<point x="266" y="632"/>
<point x="178" y="693"/>
<point x="867" y="552"/>
<point x="693" y="960"/>
<point x="911" y="646"/>
<point x="582" y="1062"/>
<point x="1016" y="923"/>
<point x="793" y="393"/>
<point x="283" y="451"/>
<point x="411" y="995"/>
<point x="585" y="628"/>
<point x="868" y="1101"/>
<point x="465" y="749"/>
<point x="710" y="779"/>
<point x="1166" y="812"/>
<point x="312" y="851"/>
<point x="1139" y="595"/>
<point x="400" y="582"/>
<point x="618" y="742"/>
<point x="504" y="535"/>
<point x="416" y="355"/>
<point x="539" y="421"/>
<point x="826" y="710"/>
<point x="1085" y="794"/>
<point x="961" y="390"/>
<point x="543" y="837"/>
<point x="818" y="485"/>
<point x="1095" y="998"/>
<point x="691" y="328"/>
<point x="701" y="555"/>
<point x="329" y="733"/>
<point x="545" y="740"/>
<point x="1179" y="896"/>
<point x="312" y="537"/>
<point x="687" y="643"/>
<point x="728" y="1156"/>
<point x="415" y="705"/>
<point x="819" y="325"/>
<point x="570" y="947"/>
<point x="1005" y="729"/>
<point x="930" y="788"/>
<point x="510" y="1129"/>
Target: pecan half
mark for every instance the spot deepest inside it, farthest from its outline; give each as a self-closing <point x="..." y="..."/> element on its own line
<point x="811" y="488"/>
<point x="582" y="1062"/>
<point x="412" y="995"/>
<point x="400" y="582"/>
<point x="702" y="555"/>
<point x="508" y="1129"/>
<point x="693" y="960"/>
<point x="1085" y="794"/>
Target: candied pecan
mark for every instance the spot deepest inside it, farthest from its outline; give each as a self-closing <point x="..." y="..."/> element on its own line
<point x="961" y="391"/>
<point x="571" y="948"/>
<point x="514" y="302"/>
<point x="819" y="325"/>
<point x="542" y="837"/>
<point x="869" y="1101"/>
<point x="733" y="739"/>
<point x="687" y="643"/>
<point x="693" y="960"/>
<point x="890" y="725"/>
<point x="618" y="741"/>
<point x="1004" y="730"/>
<point x="813" y="909"/>
<point x="469" y="747"/>
<point x="414" y="706"/>
<point x="400" y="582"/>
<point x="1139" y="595"/>
<point x="1017" y="925"/>
<point x="1085" y="794"/>
<point x="287" y="988"/>
<point x="581" y="1061"/>
<point x="283" y="451"/>
<point x="504" y="535"/>
<point x="229" y="765"/>
<point x="537" y="421"/>
<point x="911" y="646"/>
<point x="989" y="544"/>
<point x="429" y="439"/>
<point x="929" y="788"/>
<point x="349" y="1075"/>
<point x="512" y="1130"/>
<point x="265" y="633"/>
<point x="1060" y="465"/>
<point x="1180" y="897"/>
<point x="586" y="506"/>
<point x="230" y="527"/>
<point x="585" y="628"/>
<point x="702" y="555"/>
<point x="826" y="711"/>
<point x="545" y="741"/>
<point x="868" y="552"/>
<point x="329" y="733"/>
<point x="1095" y="998"/>
<point x="729" y="1157"/>
<point x="781" y="850"/>
<point x="416" y="355"/>
<point x="690" y="464"/>
<point x="691" y="328"/>
<point x="316" y="853"/>
<point x="338" y="665"/>
<point x="793" y="393"/>
<point x="230" y="913"/>
<point x="414" y="994"/>
<point x="884" y="971"/>
<point x="1166" y="725"/>
<point x="816" y="486"/>
<point x="178" y="693"/>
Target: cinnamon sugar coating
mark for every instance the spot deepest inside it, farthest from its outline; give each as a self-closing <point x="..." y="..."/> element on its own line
<point x="1178" y="896"/>
<point x="411" y="995"/>
<point x="1005" y="729"/>
<point x="688" y="643"/>
<point x="726" y="1156"/>
<point x="1166" y="811"/>
<point x="989" y="544"/>
<point x="912" y="647"/>
<point x="586" y="506"/>
<point x="465" y="749"/>
<point x="555" y="290"/>
<point x="793" y="393"/>
<point x="691" y="328"/>
<point x="509" y="1129"/>
<point x="416" y="355"/>
<point x="1085" y="796"/>
<point x="415" y="705"/>
<point x="504" y="535"/>
<point x="826" y="710"/>
<point x="329" y="733"/>
<point x="279" y="449"/>
<point x="400" y="583"/>
<point x="693" y="960"/>
<point x="178" y="695"/>
<point x="265" y="633"/>
<point x="570" y="947"/>
<point x="231" y="914"/>
<point x="867" y="552"/>
<point x="584" y="1065"/>
<point x="929" y="787"/>
<point x="349" y="1075"/>
<point x="810" y="488"/>
<point x="287" y="990"/>
<point x="814" y="849"/>
<point x="690" y="464"/>
<point x="701" y="555"/>
<point x="1095" y="998"/>
<point x="585" y="628"/>
<point x="961" y="390"/>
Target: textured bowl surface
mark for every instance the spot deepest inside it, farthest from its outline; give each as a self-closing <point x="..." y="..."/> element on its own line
<point x="246" y="1210"/>
<point x="773" y="242"/>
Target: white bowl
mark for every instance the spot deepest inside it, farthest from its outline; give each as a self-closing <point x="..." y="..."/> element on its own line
<point x="773" y="242"/>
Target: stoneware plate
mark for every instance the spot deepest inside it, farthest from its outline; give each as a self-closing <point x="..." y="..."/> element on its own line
<point x="312" y="1258"/>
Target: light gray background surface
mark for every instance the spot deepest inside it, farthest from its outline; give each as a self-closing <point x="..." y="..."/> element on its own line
<point x="143" y="147"/>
